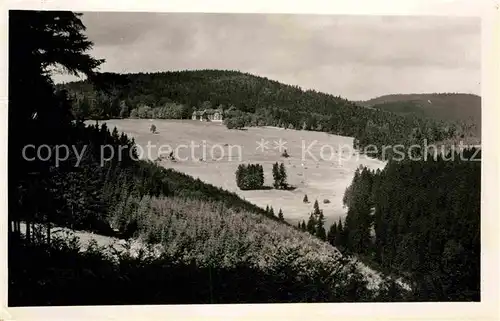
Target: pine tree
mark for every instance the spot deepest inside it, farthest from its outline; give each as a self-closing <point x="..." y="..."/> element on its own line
<point x="81" y="110"/>
<point x="316" y="209"/>
<point x="261" y="176"/>
<point x="311" y="224"/>
<point x="267" y="209"/>
<point x="239" y="177"/>
<point x="115" y="135"/>
<point x="271" y="211"/>
<point x="320" y="229"/>
<point x="318" y="219"/>
<point x="280" y="215"/>
<point x="358" y="221"/>
<point x="249" y="176"/>
<point x="305" y="200"/>
<point x="340" y="238"/>
<point x="282" y="176"/>
<point x="332" y="234"/>
<point x="276" y="176"/>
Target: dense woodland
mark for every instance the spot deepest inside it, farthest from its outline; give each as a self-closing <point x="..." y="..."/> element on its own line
<point x="421" y="220"/>
<point x="414" y="219"/>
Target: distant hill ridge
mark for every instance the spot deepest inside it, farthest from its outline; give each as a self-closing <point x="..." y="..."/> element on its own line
<point x="441" y="106"/>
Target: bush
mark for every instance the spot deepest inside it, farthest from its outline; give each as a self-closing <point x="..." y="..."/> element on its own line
<point x="144" y="111"/>
<point x="134" y="113"/>
<point x="326" y="201"/>
<point x="234" y="122"/>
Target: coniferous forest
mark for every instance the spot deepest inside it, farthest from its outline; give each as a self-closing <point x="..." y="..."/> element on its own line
<point x="415" y="223"/>
<point x="426" y="229"/>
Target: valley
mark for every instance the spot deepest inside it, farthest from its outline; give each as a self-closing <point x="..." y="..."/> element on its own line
<point x="321" y="178"/>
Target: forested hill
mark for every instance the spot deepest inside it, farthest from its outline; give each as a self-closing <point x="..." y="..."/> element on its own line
<point x="442" y="106"/>
<point x="244" y="91"/>
<point x="249" y="100"/>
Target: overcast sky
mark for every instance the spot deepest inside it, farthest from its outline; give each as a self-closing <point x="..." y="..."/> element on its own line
<point x="356" y="57"/>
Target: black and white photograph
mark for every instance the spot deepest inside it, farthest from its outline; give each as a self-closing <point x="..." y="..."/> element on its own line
<point x="205" y="158"/>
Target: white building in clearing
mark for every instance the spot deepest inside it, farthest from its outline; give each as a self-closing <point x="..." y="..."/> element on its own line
<point x="208" y="115"/>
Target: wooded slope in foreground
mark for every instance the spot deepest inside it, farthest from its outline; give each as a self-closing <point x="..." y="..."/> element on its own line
<point x="249" y="100"/>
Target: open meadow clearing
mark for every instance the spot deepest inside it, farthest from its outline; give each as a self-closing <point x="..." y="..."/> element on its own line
<point x="319" y="165"/>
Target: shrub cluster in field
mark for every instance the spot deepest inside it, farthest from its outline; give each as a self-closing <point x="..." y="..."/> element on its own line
<point x="251" y="176"/>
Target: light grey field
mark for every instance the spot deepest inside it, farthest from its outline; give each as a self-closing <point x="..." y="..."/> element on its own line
<point x="324" y="173"/>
